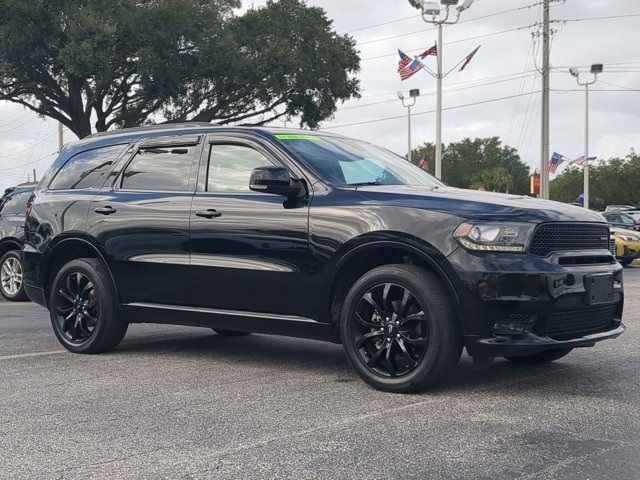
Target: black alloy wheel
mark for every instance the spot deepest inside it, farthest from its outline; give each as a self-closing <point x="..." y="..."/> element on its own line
<point x="83" y="308"/>
<point x="392" y="331"/>
<point x="77" y="307"/>
<point x="398" y="329"/>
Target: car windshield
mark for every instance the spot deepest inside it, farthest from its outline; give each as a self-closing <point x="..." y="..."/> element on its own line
<point x="346" y="162"/>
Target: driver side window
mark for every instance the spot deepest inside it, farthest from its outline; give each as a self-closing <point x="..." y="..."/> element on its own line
<point x="230" y="167"/>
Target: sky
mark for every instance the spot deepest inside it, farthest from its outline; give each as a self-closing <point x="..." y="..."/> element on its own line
<point x="501" y="81"/>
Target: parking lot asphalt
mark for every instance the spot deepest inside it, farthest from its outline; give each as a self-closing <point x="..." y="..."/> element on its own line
<point x="178" y="402"/>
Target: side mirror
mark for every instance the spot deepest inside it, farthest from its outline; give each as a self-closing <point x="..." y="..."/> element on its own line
<point x="275" y="180"/>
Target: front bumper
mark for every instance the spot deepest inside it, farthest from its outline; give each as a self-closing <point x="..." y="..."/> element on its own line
<point x="520" y="304"/>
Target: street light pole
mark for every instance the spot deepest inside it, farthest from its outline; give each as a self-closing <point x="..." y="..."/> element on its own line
<point x="596" y="68"/>
<point x="408" y="103"/>
<point x="586" y="146"/>
<point x="438" y="155"/>
<point x="432" y="13"/>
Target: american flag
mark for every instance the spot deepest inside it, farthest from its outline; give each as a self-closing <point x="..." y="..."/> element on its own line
<point x="407" y="68"/>
<point x="582" y="161"/>
<point x="555" y="162"/>
<point x="469" y="58"/>
<point x="432" y="51"/>
<point x="424" y="164"/>
<point x="404" y="60"/>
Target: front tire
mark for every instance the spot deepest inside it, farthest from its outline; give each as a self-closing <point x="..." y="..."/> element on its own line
<point x="11" y="282"/>
<point x="83" y="308"/>
<point x="542" y="357"/>
<point x="398" y="329"/>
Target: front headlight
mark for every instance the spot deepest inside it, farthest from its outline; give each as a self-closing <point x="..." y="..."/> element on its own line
<point x="494" y="237"/>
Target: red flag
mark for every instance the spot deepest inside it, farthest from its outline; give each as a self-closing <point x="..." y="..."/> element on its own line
<point x="424" y="164"/>
<point x="469" y="58"/>
<point x="432" y="51"/>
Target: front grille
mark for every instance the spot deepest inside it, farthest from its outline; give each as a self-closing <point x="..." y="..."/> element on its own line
<point x="553" y="237"/>
<point x="573" y="323"/>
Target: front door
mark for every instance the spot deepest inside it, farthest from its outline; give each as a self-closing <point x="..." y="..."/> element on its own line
<point x="249" y="250"/>
<point x="142" y="221"/>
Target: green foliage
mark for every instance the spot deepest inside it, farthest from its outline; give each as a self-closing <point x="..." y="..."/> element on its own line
<point x="481" y="162"/>
<point x="94" y="64"/>
<point x="614" y="182"/>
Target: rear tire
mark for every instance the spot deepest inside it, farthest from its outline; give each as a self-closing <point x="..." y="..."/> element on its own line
<point x="399" y="330"/>
<point x="11" y="278"/>
<point x="82" y="307"/>
<point x="230" y="333"/>
<point x="542" y="357"/>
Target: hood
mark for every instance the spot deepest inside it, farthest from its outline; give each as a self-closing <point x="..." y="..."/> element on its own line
<point x="470" y="204"/>
<point x="623" y="231"/>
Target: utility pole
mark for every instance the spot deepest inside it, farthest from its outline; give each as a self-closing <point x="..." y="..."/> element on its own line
<point x="34" y="175"/>
<point x="544" y="149"/>
<point x="60" y="137"/>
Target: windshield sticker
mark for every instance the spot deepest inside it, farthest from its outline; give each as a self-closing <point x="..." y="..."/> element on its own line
<point x="286" y="136"/>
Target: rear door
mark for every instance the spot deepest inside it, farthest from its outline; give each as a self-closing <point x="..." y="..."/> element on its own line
<point x="142" y="220"/>
<point x="249" y="250"/>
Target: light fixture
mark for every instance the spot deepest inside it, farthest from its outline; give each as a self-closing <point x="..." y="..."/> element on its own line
<point x="465" y="5"/>
<point x="597" y="68"/>
<point x="431" y="8"/>
<point x="401" y="95"/>
<point x="416" y="4"/>
<point x="414" y="93"/>
<point x="574" y="72"/>
<point x="449" y="3"/>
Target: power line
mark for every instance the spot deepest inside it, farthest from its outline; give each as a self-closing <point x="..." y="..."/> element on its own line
<point x="500" y="32"/>
<point x="447" y="90"/>
<point x="589" y="19"/>
<point x="424" y="113"/>
<point x="367" y="42"/>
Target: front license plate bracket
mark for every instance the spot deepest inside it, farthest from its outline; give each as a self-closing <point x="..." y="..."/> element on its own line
<point x="599" y="288"/>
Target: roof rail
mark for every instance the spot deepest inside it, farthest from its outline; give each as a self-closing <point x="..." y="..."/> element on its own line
<point x="147" y="128"/>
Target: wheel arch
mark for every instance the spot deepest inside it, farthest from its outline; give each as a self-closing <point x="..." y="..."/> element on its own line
<point x="9" y="243"/>
<point x="68" y="249"/>
<point x="372" y="253"/>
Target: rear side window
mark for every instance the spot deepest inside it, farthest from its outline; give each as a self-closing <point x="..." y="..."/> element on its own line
<point x="15" y="204"/>
<point x="159" y="168"/>
<point x="86" y="169"/>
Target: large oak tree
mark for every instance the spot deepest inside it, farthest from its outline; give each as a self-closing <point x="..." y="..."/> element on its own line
<point x="98" y="64"/>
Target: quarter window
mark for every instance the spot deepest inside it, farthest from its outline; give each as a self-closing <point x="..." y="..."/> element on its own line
<point x="86" y="169"/>
<point x="230" y="167"/>
<point x="159" y="168"/>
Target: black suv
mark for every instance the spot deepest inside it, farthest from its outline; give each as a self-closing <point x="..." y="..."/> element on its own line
<point x="311" y="235"/>
<point x="12" y="208"/>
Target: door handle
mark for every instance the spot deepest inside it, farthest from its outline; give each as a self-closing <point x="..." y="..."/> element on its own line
<point x="105" y="210"/>
<point x="211" y="213"/>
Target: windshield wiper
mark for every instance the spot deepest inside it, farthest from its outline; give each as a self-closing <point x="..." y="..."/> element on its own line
<point x="363" y="184"/>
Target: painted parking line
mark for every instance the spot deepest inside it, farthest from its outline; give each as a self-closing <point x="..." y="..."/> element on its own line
<point x="32" y="354"/>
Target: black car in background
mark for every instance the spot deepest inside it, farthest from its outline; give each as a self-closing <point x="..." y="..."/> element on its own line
<point x="312" y="235"/>
<point x="13" y="205"/>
